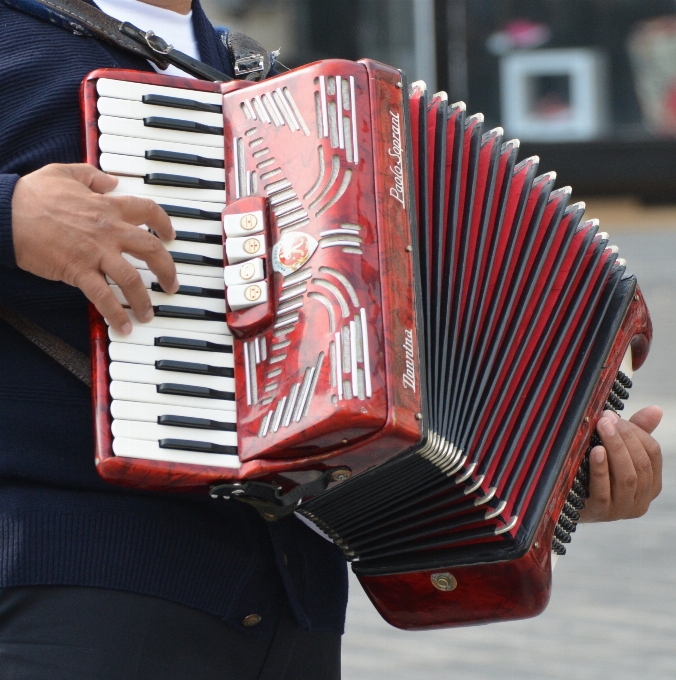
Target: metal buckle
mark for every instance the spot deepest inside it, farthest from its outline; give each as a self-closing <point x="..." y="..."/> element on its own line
<point x="253" y="63"/>
<point x="150" y="35"/>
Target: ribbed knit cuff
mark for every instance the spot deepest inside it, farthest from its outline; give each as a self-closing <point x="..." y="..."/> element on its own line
<point x="7" y="183"/>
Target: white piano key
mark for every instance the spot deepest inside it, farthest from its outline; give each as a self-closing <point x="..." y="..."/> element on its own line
<point x="127" y="186"/>
<point x="211" y="250"/>
<point x="145" y="354"/>
<point x="130" y="127"/>
<point x="148" y="394"/>
<point x="210" y="227"/>
<point x="240" y="249"/>
<point x="181" y="268"/>
<point x="207" y="249"/>
<point x="122" y="89"/>
<point x="212" y="304"/>
<point x="248" y="295"/>
<point x="137" y="448"/>
<point x="141" y="373"/>
<point x="135" y="429"/>
<point x="169" y="324"/>
<point x="142" y="335"/>
<point x="134" y="166"/>
<point x="134" y="410"/>
<point x="133" y="146"/>
<point x="126" y="108"/>
<point x="149" y="278"/>
<point x="135" y="186"/>
<point x="244" y="224"/>
<point x="244" y="272"/>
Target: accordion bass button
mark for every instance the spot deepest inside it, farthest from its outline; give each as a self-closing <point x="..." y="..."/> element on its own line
<point x="444" y="581"/>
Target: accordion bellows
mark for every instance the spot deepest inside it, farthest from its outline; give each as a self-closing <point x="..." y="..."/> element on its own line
<point x="450" y="325"/>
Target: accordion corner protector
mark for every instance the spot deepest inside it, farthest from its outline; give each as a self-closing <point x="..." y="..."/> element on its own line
<point x="481" y="593"/>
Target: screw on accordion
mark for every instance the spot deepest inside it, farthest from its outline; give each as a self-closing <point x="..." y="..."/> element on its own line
<point x="386" y="324"/>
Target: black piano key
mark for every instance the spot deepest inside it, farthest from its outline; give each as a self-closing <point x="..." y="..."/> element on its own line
<point x="194" y="258"/>
<point x="180" y="103"/>
<point x="194" y="237"/>
<point x="199" y="447"/>
<point x="196" y="423"/>
<point x="194" y="391"/>
<point x="195" y="291"/>
<point x="192" y="367"/>
<point x="190" y="343"/>
<point x="190" y="213"/>
<point x="183" y="158"/>
<point x="181" y="125"/>
<point x="176" y="312"/>
<point x="165" y="180"/>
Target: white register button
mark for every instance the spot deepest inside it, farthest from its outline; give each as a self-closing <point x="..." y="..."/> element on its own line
<point x="247" y="295"/>
<point x="243" y="224"/>
<point x="244" y="272"/>
<point x="244" y="248"/>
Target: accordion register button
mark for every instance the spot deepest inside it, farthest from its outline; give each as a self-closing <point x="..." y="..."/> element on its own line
<point x="245" y="272"/>
<point x="243" y="224"/>
<point x="244" y="248"/>
<point x="247" y="295"/>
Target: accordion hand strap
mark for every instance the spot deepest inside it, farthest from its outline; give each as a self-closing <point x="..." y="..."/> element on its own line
<point x="70" y="358"/>
<point x="80" y="17"/>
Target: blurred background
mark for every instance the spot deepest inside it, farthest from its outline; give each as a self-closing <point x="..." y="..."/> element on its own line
<point x="590" y="87"/>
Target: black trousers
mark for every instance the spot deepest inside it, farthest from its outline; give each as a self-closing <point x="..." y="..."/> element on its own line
<point x="65" y="633"/>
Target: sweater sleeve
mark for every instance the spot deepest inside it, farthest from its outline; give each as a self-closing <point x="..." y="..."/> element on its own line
<point x="7" y="183"/>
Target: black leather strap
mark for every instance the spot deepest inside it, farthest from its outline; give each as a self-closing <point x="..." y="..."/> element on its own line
<point x="70" y="358"/>
<point x="161" y="49"/>
<point x="81" y="17"/>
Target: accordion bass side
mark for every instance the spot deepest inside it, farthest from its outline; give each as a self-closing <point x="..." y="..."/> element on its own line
<point x="386" y="324"/>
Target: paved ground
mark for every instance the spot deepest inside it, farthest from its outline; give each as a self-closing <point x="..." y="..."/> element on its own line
<point x="613" y="608"/>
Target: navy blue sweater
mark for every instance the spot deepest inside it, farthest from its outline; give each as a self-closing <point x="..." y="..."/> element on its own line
<point x="59" y="522"/>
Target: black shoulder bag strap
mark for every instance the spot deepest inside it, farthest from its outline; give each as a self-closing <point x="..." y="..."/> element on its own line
<point x="250" y="62"/>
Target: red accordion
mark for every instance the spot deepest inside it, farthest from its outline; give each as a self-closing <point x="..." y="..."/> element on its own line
<point x="385" y="324"/>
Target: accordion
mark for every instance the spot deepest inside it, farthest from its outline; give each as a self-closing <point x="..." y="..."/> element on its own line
<point x="385" y="324"/>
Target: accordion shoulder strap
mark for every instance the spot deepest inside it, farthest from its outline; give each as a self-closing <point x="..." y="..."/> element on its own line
<point x="250" y="60"/>
<point x="70" y="358"/>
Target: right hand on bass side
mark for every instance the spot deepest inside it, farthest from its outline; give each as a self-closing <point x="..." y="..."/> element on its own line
<point x="65" y="229"/>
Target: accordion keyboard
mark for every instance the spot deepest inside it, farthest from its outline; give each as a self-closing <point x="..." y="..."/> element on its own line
<point x="172" y="379"/>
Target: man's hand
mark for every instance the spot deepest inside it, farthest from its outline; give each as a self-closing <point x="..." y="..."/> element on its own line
<point x="626" y="472"/>
<point x="64" y="229"/>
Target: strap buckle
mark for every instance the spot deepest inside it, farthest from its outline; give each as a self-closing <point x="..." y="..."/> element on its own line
<point x="252" y="63"/>
<point x="157" y="44"/>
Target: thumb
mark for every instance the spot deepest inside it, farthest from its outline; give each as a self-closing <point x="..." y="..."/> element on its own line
<point x="647" y="418"/>
<point x="92" y="177"/>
